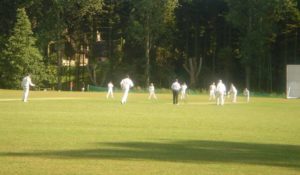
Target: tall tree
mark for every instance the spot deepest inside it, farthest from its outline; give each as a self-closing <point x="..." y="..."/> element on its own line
<point x="148" y="20"/>
<point x="21" y="55"/>
<point x="65" y="29"/>
<point x="197" y="38"/>
<point x="256" y="20"/>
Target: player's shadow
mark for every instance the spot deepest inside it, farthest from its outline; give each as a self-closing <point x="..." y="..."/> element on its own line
<point x="183" y="151"/>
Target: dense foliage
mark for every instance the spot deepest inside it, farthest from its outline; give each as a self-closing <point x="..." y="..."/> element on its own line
<point x="246" y="42"/>
<point x="20" y="55"/>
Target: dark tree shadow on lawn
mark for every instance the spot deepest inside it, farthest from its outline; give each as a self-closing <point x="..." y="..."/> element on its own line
<point x="182" y="151"/>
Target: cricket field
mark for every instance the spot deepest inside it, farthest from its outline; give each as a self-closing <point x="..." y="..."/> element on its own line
<point x="83" y="133"/>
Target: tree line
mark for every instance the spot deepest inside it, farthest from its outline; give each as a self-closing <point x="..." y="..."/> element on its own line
<point x="245" y="42"/>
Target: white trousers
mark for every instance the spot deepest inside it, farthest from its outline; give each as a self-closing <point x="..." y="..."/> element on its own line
<point x="212" y="95"/>
<point x="25" y="94"/>
<point x="220" y="98"/>
<point x="234" y="97"/>
<point x="110" y="93"/>
<point x="248" y="98"/>
<point x="152" y="94"/>
<point x="182" y="96"/>
<point x="125" y="95"/>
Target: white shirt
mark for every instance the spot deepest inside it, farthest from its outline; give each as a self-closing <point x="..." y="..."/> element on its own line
<point x="26" y="82"/>
<point x="212" y="88"/>
<point x="183" y="88"/>
<point x="175" y="86"/>
<point x="151" y="88"/>
<point x="110" y="85"/>
<point x="221" y="88"/>
<point x="233" y="89"/>
<point x="246" y="92"/>
<point x="126" y="83"/>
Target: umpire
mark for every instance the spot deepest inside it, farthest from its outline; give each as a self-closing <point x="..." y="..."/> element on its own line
<point x="175" y="88"/>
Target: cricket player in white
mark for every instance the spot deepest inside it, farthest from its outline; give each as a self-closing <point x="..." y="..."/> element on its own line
<point x="247" y="94"/>
<point x="152" y="91"/>
<point x="126" y="84"/>
<point x="212" y="91"/>
<point x="233" y="91"/>
<point x="183" y="91"/>
<point x="220" y="92"/>
<point x="26" y="83"/>
<point x="110" y="87"/>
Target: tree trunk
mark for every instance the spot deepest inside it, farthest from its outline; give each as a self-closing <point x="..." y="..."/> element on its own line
<point x="77" y="70"/>
<point x="92" y="73"/>
<point x="59" y="71"/>
<point x="285" y="49"/>
<point x="248" y="76"/>
<point x="296" y="46"/>
<point x="104" y="75"/>
<point x="193" y="68"/>
<point x="147" y="54"/>
<point x="247" y="63"/>
<point x="147" y="71"/>
<point x="69" y="68"/>
<point x="270" y="74"/>
<point x="260" y="65"/>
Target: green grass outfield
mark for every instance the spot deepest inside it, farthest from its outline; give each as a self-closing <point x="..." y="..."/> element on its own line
<point x="80" y="133"/>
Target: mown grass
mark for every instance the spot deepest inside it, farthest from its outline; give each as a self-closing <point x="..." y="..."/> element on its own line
<point x="67" y="133"/>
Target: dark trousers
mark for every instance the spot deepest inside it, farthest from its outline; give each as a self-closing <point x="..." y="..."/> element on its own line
<point x="175" y="96"/>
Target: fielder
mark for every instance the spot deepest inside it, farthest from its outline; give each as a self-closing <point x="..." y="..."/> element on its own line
<point x="212" y="91"/>
<point x="220" y="92"/>
<point x="234" y="92"/>
<point x="26" y="83"/>
<point x="126" y="84"/>
<point x="110" y="87"/>
<point x="183" y="91"/>
<point x="247" y="94"/>
<point x="152" y="92"/>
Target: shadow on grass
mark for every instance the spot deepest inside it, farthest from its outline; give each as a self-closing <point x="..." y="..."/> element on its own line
<point x="182" y="151"/>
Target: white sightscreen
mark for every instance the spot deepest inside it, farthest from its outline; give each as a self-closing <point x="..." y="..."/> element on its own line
<point x="293" y="81"/>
